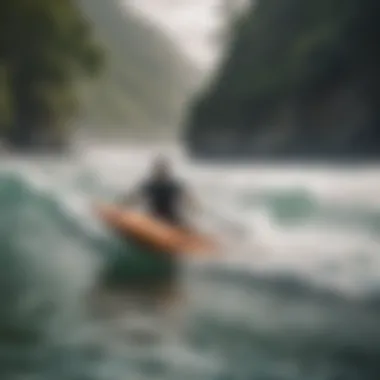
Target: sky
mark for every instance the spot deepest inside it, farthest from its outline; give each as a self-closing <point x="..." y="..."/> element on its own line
<point x="190" y="23"/>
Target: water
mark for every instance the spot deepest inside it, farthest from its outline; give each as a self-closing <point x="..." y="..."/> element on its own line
<point x="294" y="299"/>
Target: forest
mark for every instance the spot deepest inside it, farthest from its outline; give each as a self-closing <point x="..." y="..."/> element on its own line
<point x="45" y="48"/>
<point x="94" y="64"/>
<point x="300" y="79"/>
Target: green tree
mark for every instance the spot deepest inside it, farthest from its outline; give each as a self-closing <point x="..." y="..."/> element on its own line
<point x="5" y="104"/>
<point x="46" y="47"/>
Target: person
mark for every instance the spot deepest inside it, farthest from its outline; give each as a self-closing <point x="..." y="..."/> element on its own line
<point x="165" y="196"/>
<point x="152" y="276"/>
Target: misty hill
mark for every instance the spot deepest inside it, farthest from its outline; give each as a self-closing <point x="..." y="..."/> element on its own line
<point x="146" y="80"/>
<point x="300" y="79"/>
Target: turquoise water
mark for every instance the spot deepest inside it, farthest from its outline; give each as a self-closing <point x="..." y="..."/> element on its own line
<point x="296" y="298"/>
<point x="144" y="266"/>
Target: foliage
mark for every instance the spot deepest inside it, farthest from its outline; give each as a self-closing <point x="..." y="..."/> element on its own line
<point x="45" y="47"/>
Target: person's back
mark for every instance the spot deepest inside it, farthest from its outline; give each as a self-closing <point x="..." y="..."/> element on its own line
<point x="163" y="194"/>
<point x="163" y="198"/>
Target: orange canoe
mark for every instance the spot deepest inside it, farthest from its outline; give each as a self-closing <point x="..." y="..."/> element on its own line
<point x="154" y="233"/>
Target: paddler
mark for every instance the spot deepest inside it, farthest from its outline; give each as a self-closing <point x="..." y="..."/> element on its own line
<point x="165" y="196"/>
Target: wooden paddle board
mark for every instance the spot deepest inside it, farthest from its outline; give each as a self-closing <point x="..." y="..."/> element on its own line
<point x="153" y="232"/>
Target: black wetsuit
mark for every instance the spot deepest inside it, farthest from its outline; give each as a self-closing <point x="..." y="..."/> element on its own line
<point x="163" y="198"/>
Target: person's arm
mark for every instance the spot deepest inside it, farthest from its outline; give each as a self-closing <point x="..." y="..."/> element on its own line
<point x="133" y="197"/>
<point x="191" y="202"/>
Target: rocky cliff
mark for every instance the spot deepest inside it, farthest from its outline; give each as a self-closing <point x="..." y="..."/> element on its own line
<point x="300" y="80"/>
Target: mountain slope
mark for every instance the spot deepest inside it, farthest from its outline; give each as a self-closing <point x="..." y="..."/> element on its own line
<point x="146" y="81"/>
<point x="301" y="79"/>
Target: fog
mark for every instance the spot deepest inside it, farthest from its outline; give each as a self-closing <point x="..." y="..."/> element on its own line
<point x="193" y="24"/>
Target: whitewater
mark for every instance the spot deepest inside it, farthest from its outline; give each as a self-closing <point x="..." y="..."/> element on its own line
<point x="296" y="297"/>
